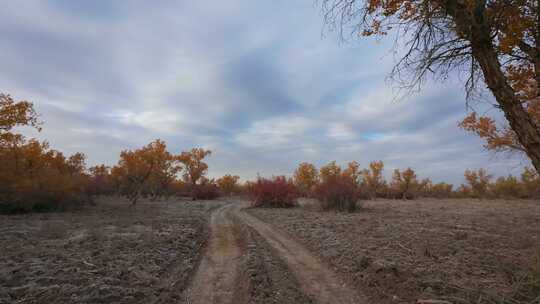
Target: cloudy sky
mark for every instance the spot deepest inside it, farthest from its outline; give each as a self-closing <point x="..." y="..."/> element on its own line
<point x="257" y="82"/>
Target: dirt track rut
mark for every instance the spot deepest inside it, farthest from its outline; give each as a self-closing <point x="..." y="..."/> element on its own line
<point x="216" y="278"/>
<point x="220" y="279"/>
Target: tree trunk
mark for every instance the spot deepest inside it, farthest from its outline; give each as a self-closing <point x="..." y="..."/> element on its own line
<point x="520" y="121"/>
<point x="135" y="196"/>
<point x="473" y="26"/>
<point x="194" y="191"/>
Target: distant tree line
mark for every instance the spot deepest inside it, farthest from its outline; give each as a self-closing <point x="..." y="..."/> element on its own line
<point x="405" y="184"/>
<point x="339" y="188"/>
<point x="34" y="177"/>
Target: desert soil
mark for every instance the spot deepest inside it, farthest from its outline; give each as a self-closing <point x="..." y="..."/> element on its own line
<point x="425" y="251"/>
<point x="460" y="251"/>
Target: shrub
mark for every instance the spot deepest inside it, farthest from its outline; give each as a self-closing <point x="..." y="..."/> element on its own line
<point x="206" y="191"/>
<point x="506" y="187"/>
<point x="338" y="192"/>
<point x="441" y="190"/>
<point x="276" y="192"/>
<point x="531" y="183"/>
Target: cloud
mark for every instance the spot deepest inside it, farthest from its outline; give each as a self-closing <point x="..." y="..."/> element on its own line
<point x="254" y="81"/>
<point x="282" y="132"/>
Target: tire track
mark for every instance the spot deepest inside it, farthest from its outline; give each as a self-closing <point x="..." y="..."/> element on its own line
<point x="316" y="279"/>
<point x="216" y="277"/>
<point x="221" y="278"/>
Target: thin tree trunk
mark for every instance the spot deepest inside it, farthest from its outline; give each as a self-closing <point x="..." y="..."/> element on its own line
<point x="135" y="197"/>
<point x="193" y="191"/>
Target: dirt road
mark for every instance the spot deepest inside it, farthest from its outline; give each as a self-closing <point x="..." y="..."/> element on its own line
<point x="291" y="273"/>
<point x="216" y="278"/>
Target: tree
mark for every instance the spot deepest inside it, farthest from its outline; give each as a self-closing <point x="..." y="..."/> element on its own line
<point x="14" y="114"/>
<point x="151" y="168"/>
<point x="478" y="182"/>
<point x="164" y="172"/>
<point x="228" y="184"/>
<point x="100" y="182"/>
<point x="353" y="172"/>
<point x="404" y="184"/>
<point x="305" y="178"/>
<point x="32" y="176"/>
<point x="194" y="166"/>
<point x="491" y="40"/>
<point x="373" y="179"/>
<point x="329" y="170"/>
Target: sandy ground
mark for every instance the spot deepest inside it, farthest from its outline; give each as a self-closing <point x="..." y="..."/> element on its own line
<point x="462" y="251"/>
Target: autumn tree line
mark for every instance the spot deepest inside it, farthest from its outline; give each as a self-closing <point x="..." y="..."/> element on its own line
<point x="405" y="184"/>
<point x="340" y="188"/>
<point x="35" y="177"/>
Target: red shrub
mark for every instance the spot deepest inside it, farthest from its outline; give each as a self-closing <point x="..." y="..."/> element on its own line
<point x="206" y="191"/>
<point x="277" y="192"/>
<point x="338" y="192"/>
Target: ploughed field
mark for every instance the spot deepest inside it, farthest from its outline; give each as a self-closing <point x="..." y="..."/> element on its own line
<point x="109" y="253"/>
<point x="460" y="251"/>
<point x="423" y="251"/>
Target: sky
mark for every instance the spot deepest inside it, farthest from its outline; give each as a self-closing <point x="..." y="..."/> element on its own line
<point x="260" y="83"/>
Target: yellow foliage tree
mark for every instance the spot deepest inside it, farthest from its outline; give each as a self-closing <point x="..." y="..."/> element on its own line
<point x="194" y="166"/>
<point x="305" y="178"/>
<point x="228" y="184"/>
<point x="329" y="170"/>
<point x="33" y="176"/>
<point x="478" y="182"/>
<point x="405" y="184"/>
<point x="14" y="114"/>
<point x="353" y="172"/>
<point x="373" y="179"/>
<point x="151" y="168"/>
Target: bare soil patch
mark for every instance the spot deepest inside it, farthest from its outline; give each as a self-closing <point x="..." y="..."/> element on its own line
<point x="110" y="253"/>
<point x="462" y="251"/>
